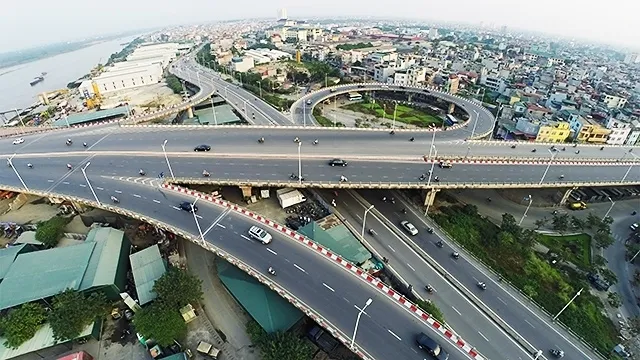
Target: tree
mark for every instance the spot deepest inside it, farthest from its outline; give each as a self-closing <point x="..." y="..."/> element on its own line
<point x="614" y="299"/>
<point x="599" y="260"/>
<point x="510" y="225"/>
<point x="634" y="325"/>
<point x="577" y="223"/>
<point x="174" y="84"/>
<point x="177" y="288"/>
<point x="528" y="238"/>
<point x="431" y="309"/>
<point x="21" y="324"/>
<point x="603" y="240"/>
<point x="593" y="221"/>
<point x="560" y="222"/>
<point x="72" y="311"/>
<point x="160" y="322"/>
<point x="609" y="275"/>
<point x="286" y="345"/>
<point x="49" y="232"/>
<point x="605" y="225"/>
<point x="541" y="222"/>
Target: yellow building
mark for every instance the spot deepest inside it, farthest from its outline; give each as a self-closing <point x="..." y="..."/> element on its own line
<point x="593" y="134"/>
<point x="554" y="133"/>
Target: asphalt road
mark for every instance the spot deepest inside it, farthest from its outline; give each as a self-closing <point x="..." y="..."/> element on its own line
<point x="527" y="320"/>
<point x="386" y="331"/>
<point x="617" y="261"/>
<point x="459" y="313"/>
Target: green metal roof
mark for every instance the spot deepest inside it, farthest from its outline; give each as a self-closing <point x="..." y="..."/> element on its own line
<point x="147" y="266"/>
<point x="337" y="238"/>
<point x="41" y="274"/>
<point x="270" y="310"/>
<point x="41" y="340"/>
<point x="91" y="116"/>
<point x="7" y="256"/>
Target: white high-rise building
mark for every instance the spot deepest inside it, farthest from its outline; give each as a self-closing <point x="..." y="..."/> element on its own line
<point x="631" y="58"/>
<point x="433" y="33"/>
<point x="282" y="14"/>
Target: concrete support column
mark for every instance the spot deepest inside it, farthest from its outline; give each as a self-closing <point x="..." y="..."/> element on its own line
<point x="409" y="97"/>
<point x="246" y="191"/>
<point x="190" y="112"/>
<point x="430" y="197"/>
<point x="452" y="107"/>
<point x="80" y="208"/>
<point x="566" y="195"/>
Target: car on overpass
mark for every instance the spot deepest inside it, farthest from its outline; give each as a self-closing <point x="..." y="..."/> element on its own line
<point x="337" y="162"/>
<point x="188" y="207"/>
<point x="203" y="147"/>
<point x="409" y="227"/>
<point x="18" y="141"/>
<point x="429" y="345"/>
<point x="446" y="164"/>
<point x="260" y="234"/>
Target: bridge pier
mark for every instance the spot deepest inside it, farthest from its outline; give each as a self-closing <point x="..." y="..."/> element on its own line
<point x="246" y="191"/>
<point x="409" y="97"/>
<point x="566" y="195"/>
<point x="80" y="208"/>
<point x="190" y="112"/>
<point x="452" y="107"/>
<point x="430" y="198"/>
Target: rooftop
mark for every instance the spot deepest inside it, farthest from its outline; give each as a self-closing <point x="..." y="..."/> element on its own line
<point x="91" y="116"/>
<point x="147" y="266"/>
<point x="333" y="235"/>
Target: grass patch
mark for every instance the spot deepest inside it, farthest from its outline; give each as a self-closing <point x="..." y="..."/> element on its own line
<point x="573" y="248"/>
<point x="404" y="114"/>
<point x="508" y="250"/>
<point x="323" y="121"/>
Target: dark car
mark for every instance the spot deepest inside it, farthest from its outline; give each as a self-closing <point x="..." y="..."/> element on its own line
<point x="361" y="86"/>
<point x="203" y="147"/>
<point x="429" y="345"/>
<point x="338" y="162"/>
<point x="187" y="206"/>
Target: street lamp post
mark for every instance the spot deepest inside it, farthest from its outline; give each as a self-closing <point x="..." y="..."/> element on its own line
<point x="569" y="303"/>
<point x="395" y="111"/>
<point x="353" y="339"/>
<point x="475" y="123"/>
<point x="213" y="109"/>
<point x="260" y="87"/>
<point x="364" y="220"/>
<point x="84" y="173"/>
<point x="526" y="210"/>
<point x="299" y="163"/>
<point x="610" y="207"/>
<point x="304" y="114"/>
<point x="19" y="117"/>
<point x="553" y="155"/>
<point x="433" y="163"/>
<point x="193" y="211"/>
<point x="433" y="140"/>
<point x="10" y="162"/>
<point x="164" y="150"/>
<point x="629" y="169"/>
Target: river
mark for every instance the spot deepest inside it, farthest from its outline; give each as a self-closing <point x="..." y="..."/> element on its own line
<point x="15" y="91"/>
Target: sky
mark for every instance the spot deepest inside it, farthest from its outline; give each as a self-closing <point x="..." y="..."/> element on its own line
<point x="38" y="22"/>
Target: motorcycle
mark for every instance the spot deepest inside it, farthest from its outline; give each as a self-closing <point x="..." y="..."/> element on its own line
<point x="261" y="140"/>
<point x="84" y="144"/>
<point x="115" y="200"/>
<point x="69" y="142"/>
<point x="69" y="166"/>
<point x="271" y="271"/>
<point x="440" y="244"/>
<point x="30" y="166"/>
<point x="296" y="140"/>
<point x="430" y="230"/>
<point x="412" y="139"/>
<point x="534" y="150"/>
<point x="205" y="173"/>
<point x="513" y="146"/>
<point x="316" y="142"/>
<point x="455" y="255"/>
<point x="482" y="285"/>
<point x="429" y="289"/>
<point x="141" y="172"/>
<point x="557" y="353"/>
<point x="372" y="232"/>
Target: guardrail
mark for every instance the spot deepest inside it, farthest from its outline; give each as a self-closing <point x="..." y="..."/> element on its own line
<point x="531" y="160"/>
<point x="393" y="185"/>
<point x="526" y="297"/>
<point x="307" y="310"/>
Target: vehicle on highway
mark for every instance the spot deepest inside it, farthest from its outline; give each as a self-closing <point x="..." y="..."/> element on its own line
<point x="455" y="255"/>
<point x="309" y="102"/>
<point x="446" y="164"/>
<point x="332" y="90"/>
<point x="188" y="207"/>
<point x="557" y="353"/>
<point x="338" y="162"/>
<point x="634" y="226"/>
<point x="260" y="234"/>
<point x="202" y="147"/>
<point x="409" y="227"/>
<point x="18" y="141"/>
<point x="429" y="345"/>
<point x="578" y="205"/>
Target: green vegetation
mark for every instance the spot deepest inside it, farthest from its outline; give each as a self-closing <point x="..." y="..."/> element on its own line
<point x="573" y="248"/>
<point x="431" y="309"/>
<point x="161" y="323"/>
<point x="280" y="345"/>
<point x="323" y="121"/>
<point x="73" y="311"/>
<point x="404" y="114"/>
<point x="49" y="232"/>
<point x="174" y="84"/>
<point x="162" y="320"/>
<point x="21" y="324"/>
<point x="354" y="46"/>
<point x="508" y="250"/>
<point x="122" y="54"/>
<point x="177" y="288"/>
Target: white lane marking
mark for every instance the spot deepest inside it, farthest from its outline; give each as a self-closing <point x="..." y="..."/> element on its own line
<point x="156" y="201"/>
<point x="65" y="182"/>
<point x="456" y="310"/>
<point x="394" y="335"/>
<point x="530" y="324"/>
<point x="299" y="268"/>
<point x="117" y="191"/>
<point x="49" y="180"/>
<point x="502" y="301"/>
<point x="96" y="143"/>
<point x="136" y="195"/>
<point x="99" y="188"/>
<point x="83" y="185"/>
<point x="177" y="208"/>
<point x="222" y="226"/>
<point x="484" y="337"/>
<point x="411" y="267"/>
<point x="328" y="287"/>
<point x="199" y="217"/>
<point x="271" y="251"/>
<point x="392" y="249"/>
<point x="217" y="220"/>
<point x="246" y="238"/>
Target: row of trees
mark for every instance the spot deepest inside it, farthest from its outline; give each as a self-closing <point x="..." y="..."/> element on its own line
<point x="70" y="313"/>
<point x="600" y="227"/>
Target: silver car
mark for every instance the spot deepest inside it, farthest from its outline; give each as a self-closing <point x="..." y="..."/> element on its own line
<point x="260" y="234"/>
<point x="409" y="227"/>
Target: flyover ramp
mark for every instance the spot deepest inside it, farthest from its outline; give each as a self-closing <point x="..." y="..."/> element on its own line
<point x="317" y="282"/>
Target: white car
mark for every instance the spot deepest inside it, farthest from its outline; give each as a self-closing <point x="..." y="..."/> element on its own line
<point x="260" y="234"/>
<point x="18" y="141"/>
<point x="409" y="227"/>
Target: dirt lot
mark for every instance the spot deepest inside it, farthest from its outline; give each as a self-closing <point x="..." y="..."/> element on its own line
<point x="145" y="97"/>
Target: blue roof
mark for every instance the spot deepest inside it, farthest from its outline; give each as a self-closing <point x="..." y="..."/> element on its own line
<point x="7" y="256"/>
<point x="80" y="118"/>
<point x="147" y="266"/>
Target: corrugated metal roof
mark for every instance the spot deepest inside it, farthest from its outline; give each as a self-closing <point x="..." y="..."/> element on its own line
<point x="103" y="264"/>
<point x="41" y="274"/>
<point x="147" y="266"/>
<point x="339" y="240"/>
<point x="7" y="256"/>
<point x="41" y="340"/>
<point x="270" y="310"/>
<point x="91" y="116"/>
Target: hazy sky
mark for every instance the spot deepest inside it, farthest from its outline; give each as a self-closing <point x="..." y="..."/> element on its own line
<point x="36" y="22"/>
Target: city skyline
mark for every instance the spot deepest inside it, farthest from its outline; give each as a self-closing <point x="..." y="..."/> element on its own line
<point x="550" y="17"/>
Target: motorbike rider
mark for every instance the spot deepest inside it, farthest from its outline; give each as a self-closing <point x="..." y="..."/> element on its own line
<point x="440" y="243"/>
<point x="69" y="166"/>
<point x="261" y="140"/>
<point x="141" y="172"/>
<point x="562" y="176"/>
<point x="205" y="173"/>
<point x="412" y="139"/>
<point x="114" y="199"/>
<point x="429" y="288"/>
<point x="271" y="270"/>
<point x="296" y="139"/>
<point x="84" y="144"/>
<point x="315" y="142"/>
<point x="30" y="165"/>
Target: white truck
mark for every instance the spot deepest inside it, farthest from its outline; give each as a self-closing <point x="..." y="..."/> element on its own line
<point x="288" y="197"/>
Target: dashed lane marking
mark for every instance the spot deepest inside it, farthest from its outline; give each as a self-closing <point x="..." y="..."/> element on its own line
<point x="502" y="301"/>
<point x="117" y="191"/>
<point x="156" y="201"/>
<point x="394" y="335"/>
<point x="411" y="267"/>
<point x="328" y="287"/>
<point x="222" y="226"/>
<point x="99" y="188"/>
<point x="136" y="195"/>
<point x="392" y="249"/>
<point x="271" y="251"/>
<point x="299" y="268"/>
<point x="50" y="180"/>
<point x="456" y="310"/>
<point x="83" y="185"/>
<point x="65" y="182"/>
<point x="484" y="337"/>
<point x="246" y="238"/>
<point x="530" y="324"/>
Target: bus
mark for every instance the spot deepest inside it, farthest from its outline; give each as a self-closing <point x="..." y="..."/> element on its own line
<point x="451" y="120"/>
<point x="353" y="96"/>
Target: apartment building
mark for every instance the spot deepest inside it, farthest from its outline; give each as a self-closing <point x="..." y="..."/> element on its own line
<point x="554" y="132"/>
<point x="383" y="72"/>
<point x="413" y="76"/>
<point x="613" y="101"/>
<point x="620" y="130"/>
<point x="588" y="131"/>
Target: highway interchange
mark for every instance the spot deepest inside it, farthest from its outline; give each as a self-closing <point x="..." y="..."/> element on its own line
<point x="387" y="331"/>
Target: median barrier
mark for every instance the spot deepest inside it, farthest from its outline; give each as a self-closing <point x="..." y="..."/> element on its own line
<point x="307" y="310"/>
<point x="337" y="259"/>
<point x="526" y="297"/>
<point x="503" y="160"/>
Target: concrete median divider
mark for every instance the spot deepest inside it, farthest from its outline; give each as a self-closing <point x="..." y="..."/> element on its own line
<point x="503" y="160"/>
